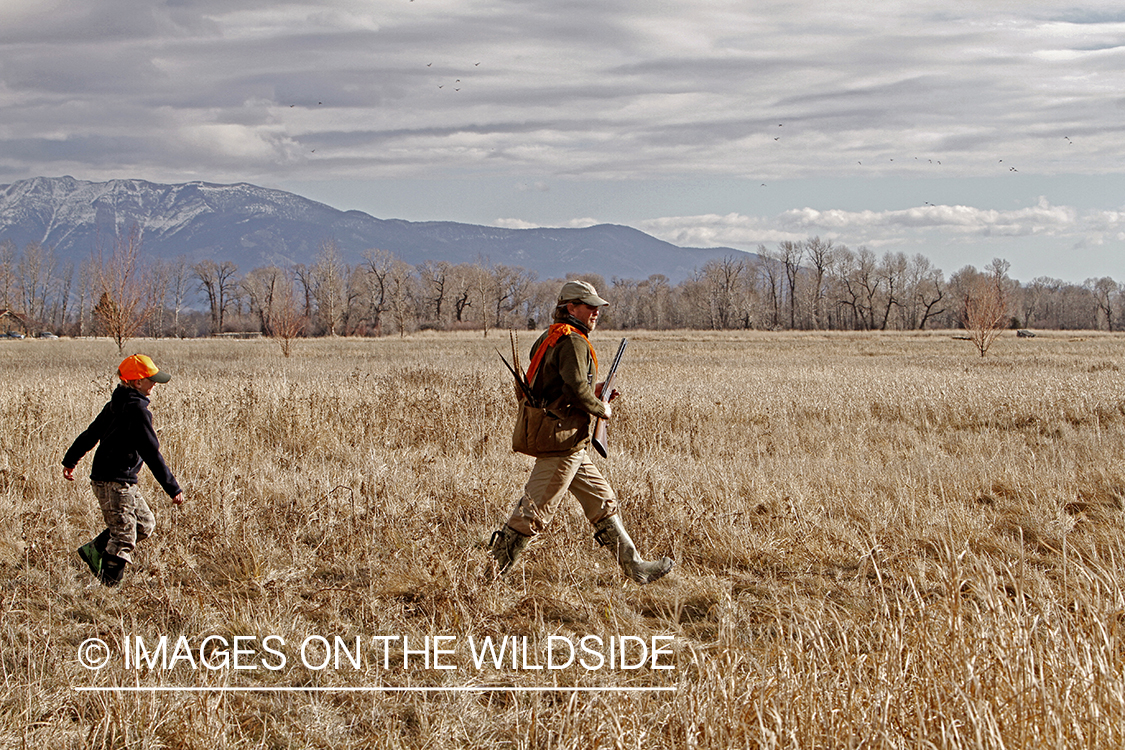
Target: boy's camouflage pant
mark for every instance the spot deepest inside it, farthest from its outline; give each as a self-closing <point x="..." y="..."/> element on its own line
<point x="126" y="515"/>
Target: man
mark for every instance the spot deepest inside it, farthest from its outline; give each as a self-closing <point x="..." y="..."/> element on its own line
<point x="556" y="430"/>
<point x="125" y="438"/>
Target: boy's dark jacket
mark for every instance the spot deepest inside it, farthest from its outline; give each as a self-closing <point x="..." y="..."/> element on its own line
<point x="124" y="431"/>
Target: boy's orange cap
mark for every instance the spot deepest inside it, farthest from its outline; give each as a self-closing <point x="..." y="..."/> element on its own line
<point x="139" y="367"/>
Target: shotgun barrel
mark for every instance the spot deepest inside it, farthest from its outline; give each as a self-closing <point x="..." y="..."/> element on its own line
<point x="601" y="430"/>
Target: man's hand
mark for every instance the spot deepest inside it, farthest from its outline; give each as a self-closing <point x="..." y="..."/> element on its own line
<point x="598" y="392"/>
<point x="178" y="499"/>
<point x="608" y="411"/>
<point x="68" y="473"/>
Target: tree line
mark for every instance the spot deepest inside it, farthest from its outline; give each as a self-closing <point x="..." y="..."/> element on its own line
<point x="811" y="285"/>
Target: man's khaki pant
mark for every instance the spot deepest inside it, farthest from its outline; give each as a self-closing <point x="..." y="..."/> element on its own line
<point x="126" y="515"/>
<point x="550" y="479"/>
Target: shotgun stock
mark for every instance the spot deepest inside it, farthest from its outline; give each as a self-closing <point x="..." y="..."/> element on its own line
<point x="601" y="430"/>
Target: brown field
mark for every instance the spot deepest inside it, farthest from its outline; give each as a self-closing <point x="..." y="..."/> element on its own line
<point x="882" y="541"/>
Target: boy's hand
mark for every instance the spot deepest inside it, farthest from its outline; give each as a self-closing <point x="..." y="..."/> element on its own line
<point x="68" y="473"/>
<point x="178" y="499"/>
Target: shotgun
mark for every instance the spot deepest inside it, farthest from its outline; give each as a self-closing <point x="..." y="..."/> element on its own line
<point x="601" y="436"/>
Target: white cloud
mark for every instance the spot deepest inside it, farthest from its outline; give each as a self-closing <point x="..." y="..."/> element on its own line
<point x="522" y="224"/>
<point x="238" y="142"/>
<point x="879" y="228"/>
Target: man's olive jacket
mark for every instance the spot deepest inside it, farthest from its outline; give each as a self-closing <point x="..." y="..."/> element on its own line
<point x="564" y="385"/>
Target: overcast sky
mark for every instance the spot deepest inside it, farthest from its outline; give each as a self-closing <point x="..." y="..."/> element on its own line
<point x="961" y="130"/>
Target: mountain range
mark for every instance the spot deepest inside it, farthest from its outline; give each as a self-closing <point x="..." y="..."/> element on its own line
<point x="254" y="226"/>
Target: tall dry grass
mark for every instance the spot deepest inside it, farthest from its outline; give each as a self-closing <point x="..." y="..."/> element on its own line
<point x="881" y="540"/>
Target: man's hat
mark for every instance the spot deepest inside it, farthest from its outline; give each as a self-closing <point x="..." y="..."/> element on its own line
<point x="139" y="367"/>
<point x="580" y="291"/>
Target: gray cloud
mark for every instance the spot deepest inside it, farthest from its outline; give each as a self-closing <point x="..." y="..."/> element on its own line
<point x="534" y="90"/>
<point x="668" y="78"/>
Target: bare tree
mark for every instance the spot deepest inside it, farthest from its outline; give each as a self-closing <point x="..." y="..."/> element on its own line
<point x="9" y="259"/>
<point x="986" y="305"/>
<point x="462" y="291"/>
<point x="510" y="288"/>
<point x="858" y="284"/>
<point x="376" y="267"/>
<point x="401" y="295"/>
<point x="123" y="289"/>
<point x="63" y="284"/>
<point x="482" y="293"/>
<point x="35" y="270"/>
<point x="656" y="308"/>
<point x="218" y="281"/>
<point x="158" y="272"/>
<point x="724" y="278"/>
<point x="434" y="278"/>
<point x="820" y="255"/>
<point x="1035" y="299"/>
<point x="261" y="288"/>
<point x="179" y="278"/>
<point x="304" y="279"/>
<point x="891" y="273"/>
<point x="354" y="289"/>
<point x="768" y="271"/>
<point x="923" y="290"/>
<point x="1106" y="292"/>
<point x="287" y="318"/>
<point x="791" y="254"/>
<point x="328" y="281"/>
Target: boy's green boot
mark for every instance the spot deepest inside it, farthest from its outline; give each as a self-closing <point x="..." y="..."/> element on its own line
<point x="92" y="552"/>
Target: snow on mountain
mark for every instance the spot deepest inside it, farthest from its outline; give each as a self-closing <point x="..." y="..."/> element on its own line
<point x="255" y="226"/>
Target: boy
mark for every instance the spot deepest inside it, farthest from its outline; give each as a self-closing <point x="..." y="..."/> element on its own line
<point x="124" y="431"/>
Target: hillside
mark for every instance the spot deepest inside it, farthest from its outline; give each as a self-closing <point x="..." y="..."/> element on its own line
<point x="255" y="226"/>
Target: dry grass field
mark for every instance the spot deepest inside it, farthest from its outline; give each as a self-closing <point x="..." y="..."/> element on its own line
<point x="882" y="541"/>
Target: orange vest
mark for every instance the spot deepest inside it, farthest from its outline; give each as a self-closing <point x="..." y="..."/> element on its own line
<point x="554" y="333"/>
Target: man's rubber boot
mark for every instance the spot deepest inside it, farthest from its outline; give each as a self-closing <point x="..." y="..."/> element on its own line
<point x="93" y="551"/>
<point x="505" y="547"/>
<point x="609" y="532"/>
<point x="113" y="568"/>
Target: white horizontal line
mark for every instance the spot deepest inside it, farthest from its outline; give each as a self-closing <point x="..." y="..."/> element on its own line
<point x="455" y="689"/>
